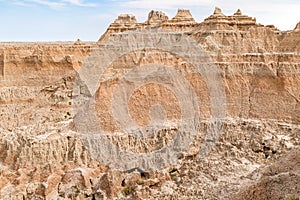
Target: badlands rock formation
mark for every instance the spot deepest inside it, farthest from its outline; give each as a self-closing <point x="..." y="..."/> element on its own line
<point x="43" y="156"/>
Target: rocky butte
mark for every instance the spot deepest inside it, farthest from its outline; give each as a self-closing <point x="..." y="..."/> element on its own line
<point x="256" y="156"/>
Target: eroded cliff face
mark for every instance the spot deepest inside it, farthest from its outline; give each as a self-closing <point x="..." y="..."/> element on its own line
<point x="43" y="156"/>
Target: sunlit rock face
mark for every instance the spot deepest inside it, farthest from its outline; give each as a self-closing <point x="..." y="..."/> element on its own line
<point x="45" y="108"/>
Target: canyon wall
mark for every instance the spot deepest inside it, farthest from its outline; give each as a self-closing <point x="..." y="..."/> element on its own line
<point x="43" y="155"/>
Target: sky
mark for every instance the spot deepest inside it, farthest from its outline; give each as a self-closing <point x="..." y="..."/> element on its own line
<point x="67" y="20"/>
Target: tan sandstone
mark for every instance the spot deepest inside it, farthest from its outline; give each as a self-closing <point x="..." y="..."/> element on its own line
<point x="43" y="157"/>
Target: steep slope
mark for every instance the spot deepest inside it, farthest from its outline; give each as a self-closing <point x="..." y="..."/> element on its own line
<point x="42" y="85"/>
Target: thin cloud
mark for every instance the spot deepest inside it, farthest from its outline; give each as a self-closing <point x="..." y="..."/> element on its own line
<point x="79" y="3"/>
<point x="51" y="4"/>
<point x="164" y="4"/>
<point x="55" y="4"/>
<point x="19" y="3"/>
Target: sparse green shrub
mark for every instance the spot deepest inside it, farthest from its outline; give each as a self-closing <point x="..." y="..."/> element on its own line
<point x="127" y="190"/>
<point x="292" y="197"/>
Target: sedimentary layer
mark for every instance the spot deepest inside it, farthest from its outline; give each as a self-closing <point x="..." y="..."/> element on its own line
<point x="43" y="156"/>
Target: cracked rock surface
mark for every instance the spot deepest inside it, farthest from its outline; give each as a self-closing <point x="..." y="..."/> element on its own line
<point x="43" y="156"/>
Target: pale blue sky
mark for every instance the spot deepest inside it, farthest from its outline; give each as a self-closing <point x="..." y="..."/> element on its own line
<point x="67" y="20"/>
